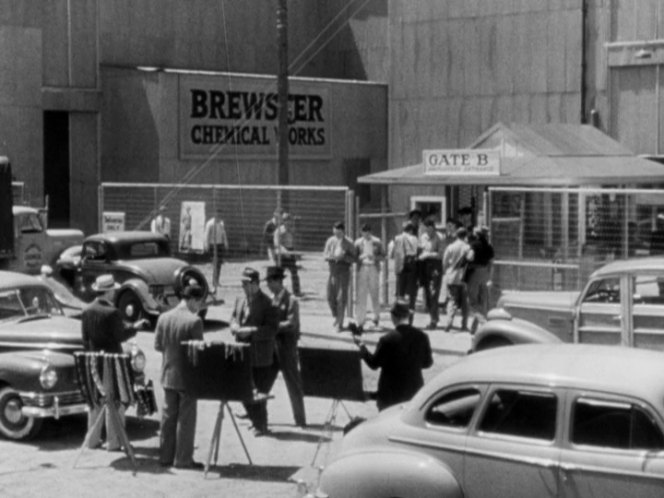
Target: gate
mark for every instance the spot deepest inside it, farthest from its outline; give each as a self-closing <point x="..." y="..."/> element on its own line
<point x="554" y="238"/>
<point x="244" y="210"/>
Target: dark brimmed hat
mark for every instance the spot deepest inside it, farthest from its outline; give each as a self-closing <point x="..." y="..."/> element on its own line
<point x="400" y="309"/>
<point x="275" y="272"/>
<point x="193" y="291"/>
<point x="250" y="275"/>
<point x="105" y="283"/>
<point x="415" y="212"/>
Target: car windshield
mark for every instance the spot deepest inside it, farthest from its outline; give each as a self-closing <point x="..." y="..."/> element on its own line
<point x="144" y="249"/>
<point x="27" y="302"/>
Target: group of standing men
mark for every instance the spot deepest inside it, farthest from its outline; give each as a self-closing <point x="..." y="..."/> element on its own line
<point x="456" y="264"/>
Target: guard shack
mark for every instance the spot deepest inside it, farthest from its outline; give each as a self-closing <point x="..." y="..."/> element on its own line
<point x="560" y="200"/>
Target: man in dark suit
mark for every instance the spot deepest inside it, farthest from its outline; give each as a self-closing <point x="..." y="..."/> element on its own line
<point x="178" y="422"/>
<point x="103" y="330"/>
<point x="286" y="357"/>
<point x="401" y="355"/>
<point x="255" y="321"/>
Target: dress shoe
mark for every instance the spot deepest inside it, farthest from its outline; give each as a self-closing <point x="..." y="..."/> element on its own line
<point x="432" y="326"/>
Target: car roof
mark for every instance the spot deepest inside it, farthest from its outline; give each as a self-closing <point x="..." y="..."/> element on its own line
<point x="24" y="209"/>
<point x="11" y="280"/>
<point x="127" y="236"/>
<point x="631" y="266"/>
<point x="613" y="369"/>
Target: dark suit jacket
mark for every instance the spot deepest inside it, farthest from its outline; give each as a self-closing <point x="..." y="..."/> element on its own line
<point x="401" y="354"/>
<point x="262" y="315"/>
<point x="102" y="327"/>
<point x="174" y="327"/>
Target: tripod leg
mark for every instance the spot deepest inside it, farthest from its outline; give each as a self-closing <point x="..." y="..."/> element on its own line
<point x="215" y="438"/>
<point x="124" y="439"/>
<point x="346" y="410"/>
<point x="239" y="434"/>
<point x="91" y="431"/>
<point x="221" y="422"/>
<point x="326" y="429"/>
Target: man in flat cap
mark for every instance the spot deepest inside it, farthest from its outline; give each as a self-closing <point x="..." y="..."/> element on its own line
<point x="254" y="320"/>
<point x="401" y="354"/>
<point x="286" y="356"/>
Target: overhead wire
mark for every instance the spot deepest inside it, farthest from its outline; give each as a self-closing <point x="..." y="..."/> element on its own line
<point x="293" y="69"/>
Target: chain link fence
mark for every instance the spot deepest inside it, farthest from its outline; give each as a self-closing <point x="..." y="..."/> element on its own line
<point x="243" y="209"/>
<point x="553" y="239"/>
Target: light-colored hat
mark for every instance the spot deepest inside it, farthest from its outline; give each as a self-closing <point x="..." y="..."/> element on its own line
<point x="105" y="283"/>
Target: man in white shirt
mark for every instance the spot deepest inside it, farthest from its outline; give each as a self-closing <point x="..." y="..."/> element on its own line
<point x="455" y="260"/>
<point x="161" y="223"/>
<point x="404" y="249"/>
<point x="216" y="244"/>
<point x="370" y="252"/>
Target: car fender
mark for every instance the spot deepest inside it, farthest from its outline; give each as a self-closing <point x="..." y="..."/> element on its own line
<point x="141" y="289"/>
<point x="21" y="369"/>
<point x="504" y="329"/>
<point x="389" y="474"/>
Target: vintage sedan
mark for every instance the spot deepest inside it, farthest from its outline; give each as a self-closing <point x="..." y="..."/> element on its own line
<point x="622" y="303"/>
<point x="141" y="262"/>
<point x="526" y="421"/>
<point x="37" y="370"/>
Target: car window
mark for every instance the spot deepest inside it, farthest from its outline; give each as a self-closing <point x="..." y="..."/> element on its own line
<point x="146" y="249"/>
<point x="94" y="251"/>
<point x="606" y="290"/>
<point x="454" y="409"/>
<point x="648" y="289"/>
<point x="30" y="223"/>
<point x="521" y="413"/>
<point x="10" y="305"/>
<point x="608" y="424"/>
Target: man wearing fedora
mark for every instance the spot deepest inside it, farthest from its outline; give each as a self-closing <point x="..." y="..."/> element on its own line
<point x="254" y="321"/>
<point x="401" y="354"/>
<point x="178" y="422"/>
<point x="103" y="330"/>
<point x="286" y="355"/>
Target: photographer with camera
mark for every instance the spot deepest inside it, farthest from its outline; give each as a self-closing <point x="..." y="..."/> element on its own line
<point x="401" y="354"/>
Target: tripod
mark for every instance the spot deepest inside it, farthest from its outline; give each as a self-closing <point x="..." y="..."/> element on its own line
<point x="328" y="425"/>
<point x="216" y="433"/>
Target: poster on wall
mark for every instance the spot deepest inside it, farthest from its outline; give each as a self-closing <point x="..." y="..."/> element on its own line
<point x="237" y="115"/>
<point x="192" y="227"/>
<point x="113" y="221"/>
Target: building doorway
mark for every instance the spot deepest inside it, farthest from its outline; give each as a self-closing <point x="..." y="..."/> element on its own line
<point x="56" y="167"/>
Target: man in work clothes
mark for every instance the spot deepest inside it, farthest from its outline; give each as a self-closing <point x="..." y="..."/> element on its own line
<point x="403" y="250"/>
<point x="431" y="259"/>
<point x="284" y="245"/>
<point x="455" y="260"/>
<point x="161" y="223"/>
<point x="286" y="355"/>
<point x="479" y="274"/>
<point x="339" y="253"/>
<point x="103" y="330"/>
<point x="401" y="355"/>
<point x="178" y="422"/>
<point x="370" y="252"/>
<point x="254" y="320"/>
<point x="216" y="243"/>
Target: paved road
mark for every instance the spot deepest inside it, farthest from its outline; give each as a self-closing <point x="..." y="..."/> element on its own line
<point x="45" y="466"/>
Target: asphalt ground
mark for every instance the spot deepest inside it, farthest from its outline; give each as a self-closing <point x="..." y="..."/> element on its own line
<point x="53" y="463"/>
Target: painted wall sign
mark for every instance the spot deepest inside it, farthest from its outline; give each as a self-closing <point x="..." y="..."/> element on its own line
<point x="461" y="162"/>
<point x="113" y="221"/>
<point x="239" y="116"/>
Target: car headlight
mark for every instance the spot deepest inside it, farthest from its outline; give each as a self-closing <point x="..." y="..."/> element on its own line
<point x="137" y="360"/>
<point x="48" y="377"/>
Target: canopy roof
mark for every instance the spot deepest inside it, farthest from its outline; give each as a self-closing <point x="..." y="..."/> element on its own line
<point x="543" y="155"/>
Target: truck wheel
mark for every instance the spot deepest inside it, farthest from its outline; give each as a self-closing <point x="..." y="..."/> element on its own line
<point x="493" y="342"/>
<point x="13" y="424"/>
<point x="130" y="306"/>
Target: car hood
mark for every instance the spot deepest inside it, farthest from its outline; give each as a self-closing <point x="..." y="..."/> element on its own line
<point x="42" y="332"/>
<point x="156" y="270"/>
<point x="563" y="300"/>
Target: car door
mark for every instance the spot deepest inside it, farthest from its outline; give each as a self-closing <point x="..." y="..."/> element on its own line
<point x="614" y="449"/>
<point x="444" y="426"/>
<point x="94" y="262"/>
<point x="648" y="310"/>
<point x="600" y="315"/>
<point x="512" y="450"/>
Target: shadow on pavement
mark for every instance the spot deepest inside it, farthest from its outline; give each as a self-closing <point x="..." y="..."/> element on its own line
<point x="256" y="472"/>
<point x="211" y="324"/>
<point x="298" y="436"/>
